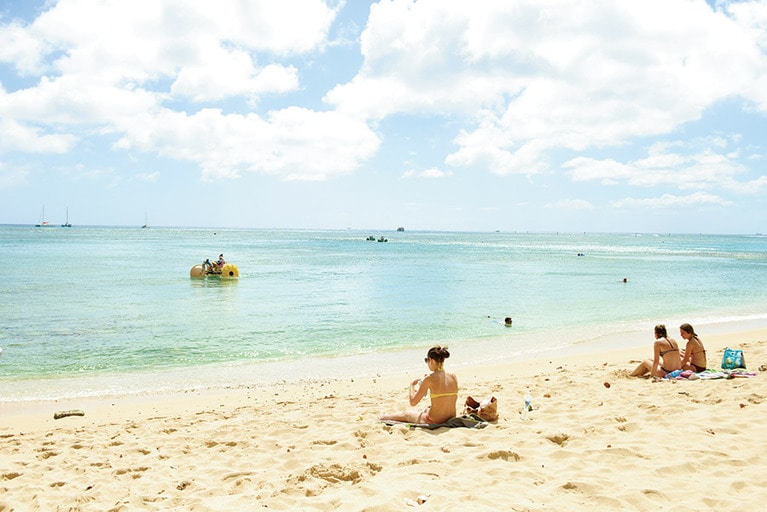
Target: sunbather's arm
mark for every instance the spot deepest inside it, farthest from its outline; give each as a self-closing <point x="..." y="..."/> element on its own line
<point x="417" y="394"/>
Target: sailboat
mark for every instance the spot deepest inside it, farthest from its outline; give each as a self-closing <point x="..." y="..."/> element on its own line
<point x="43" y="223"/>
<point x="67" y="224"/>
<point x="146" y="221"/>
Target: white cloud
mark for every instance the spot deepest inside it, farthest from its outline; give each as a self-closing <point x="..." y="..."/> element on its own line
<point x="671" y="201"/>
<point x="15" y="136"/>
<point x="144" y="38"/>
<point x="750" y="187"/>
<point x="75" y="100"/>
<point x="431" y="173"/>
<point x="516" y="82"/>
<point x="751" y="18"/>
<point x="478" y="149"/>
<point x="232" y="74"/>
<point x="111" y="66"/>
<point x="413" y="62"/>
<point x="20" y="47"/>
<point x="571" y="204"/>
<point x="693" y="164"/>
<point x="148" y="177"/>
<point x="294" y="143"/>
<point x="536" y="76"/>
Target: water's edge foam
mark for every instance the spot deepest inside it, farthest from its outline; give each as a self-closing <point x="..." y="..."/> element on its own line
<point x="362" y="366"/>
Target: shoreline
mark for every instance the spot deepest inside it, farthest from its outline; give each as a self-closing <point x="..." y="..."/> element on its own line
<point x="181" y="399"/>
<point x="316" y="444"/>
<point x="209" y="378"/>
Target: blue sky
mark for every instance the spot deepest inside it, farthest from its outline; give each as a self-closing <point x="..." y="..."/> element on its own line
<point x="532" y="115"/>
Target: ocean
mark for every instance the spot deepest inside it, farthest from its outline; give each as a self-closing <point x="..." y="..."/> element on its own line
<point x="89" y="311"/>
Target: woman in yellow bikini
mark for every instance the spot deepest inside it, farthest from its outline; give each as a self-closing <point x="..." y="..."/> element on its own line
<point x="665" y="356"/>
<point x="442" y="388"/>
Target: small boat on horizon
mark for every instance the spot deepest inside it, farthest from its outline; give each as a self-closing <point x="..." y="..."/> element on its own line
<point x="43" y="223"/>
<point x="66" y="223"/>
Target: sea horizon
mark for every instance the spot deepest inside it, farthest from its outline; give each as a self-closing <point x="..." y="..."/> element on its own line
<point x="387" y="229"/>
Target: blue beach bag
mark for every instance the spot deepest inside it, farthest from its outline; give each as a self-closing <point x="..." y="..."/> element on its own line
<point x="732" y="359"/>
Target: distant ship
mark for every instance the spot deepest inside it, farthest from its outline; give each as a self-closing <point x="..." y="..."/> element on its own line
<point x="400" y="228"/>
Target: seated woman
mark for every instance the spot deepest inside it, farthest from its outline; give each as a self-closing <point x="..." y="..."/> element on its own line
<point x="665" y="356"/>
<point x="442" y="388"/>
<point x="694" y="355"/>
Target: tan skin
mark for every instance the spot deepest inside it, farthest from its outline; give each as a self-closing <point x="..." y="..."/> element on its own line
<point x="694" y="353"/>
<point x="442" y="408"/>
<point x="670" y="361"/>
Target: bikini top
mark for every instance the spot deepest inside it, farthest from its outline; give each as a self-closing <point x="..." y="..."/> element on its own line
<point x="439" y="395"/>
<point x="672" y="349"/>
<point x="701" y="344"/>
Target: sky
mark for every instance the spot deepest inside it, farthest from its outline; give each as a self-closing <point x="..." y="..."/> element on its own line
<point x="531" y="115"/>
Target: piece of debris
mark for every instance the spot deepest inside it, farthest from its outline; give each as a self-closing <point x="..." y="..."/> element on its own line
<point x="64" y="414"/>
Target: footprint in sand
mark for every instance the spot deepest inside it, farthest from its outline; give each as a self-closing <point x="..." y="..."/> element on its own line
<point x="47" y="454"/>
<point x="503" y="454"/>
<point x="327" y="443"/>
<point x="559" y="439"/>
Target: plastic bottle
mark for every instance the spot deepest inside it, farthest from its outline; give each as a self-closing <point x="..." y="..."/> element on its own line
<point x="527" y="407"/>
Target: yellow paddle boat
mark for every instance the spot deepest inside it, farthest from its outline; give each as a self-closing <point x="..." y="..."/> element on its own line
<point x="208" y="269"/>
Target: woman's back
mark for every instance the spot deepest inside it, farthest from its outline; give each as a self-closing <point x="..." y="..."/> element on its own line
<point x="443" y="391"/>
<point x="668" y="351"/>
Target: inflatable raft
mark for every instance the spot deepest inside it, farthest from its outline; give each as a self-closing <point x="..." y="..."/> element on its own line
<point x="229" y="270"/>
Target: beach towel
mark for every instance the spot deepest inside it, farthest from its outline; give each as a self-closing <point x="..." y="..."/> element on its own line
<point x="709" y="374"/>
<point x="467" y="420"/>
<point x="732" y="374"/>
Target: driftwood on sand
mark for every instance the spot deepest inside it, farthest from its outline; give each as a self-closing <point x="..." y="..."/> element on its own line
<point x="64" y="414"/>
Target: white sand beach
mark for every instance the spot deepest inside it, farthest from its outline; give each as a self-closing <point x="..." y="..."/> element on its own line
<point x="596" y="438"/>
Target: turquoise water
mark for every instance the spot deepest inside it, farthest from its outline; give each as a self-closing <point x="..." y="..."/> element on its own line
<point x="85" y="308"/>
